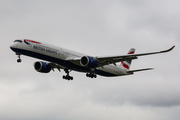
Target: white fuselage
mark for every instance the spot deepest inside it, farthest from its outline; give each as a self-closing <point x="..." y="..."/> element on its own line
<point x="62" y="56"/>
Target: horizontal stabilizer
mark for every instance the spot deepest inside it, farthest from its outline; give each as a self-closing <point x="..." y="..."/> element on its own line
<point x="131" y="71"/>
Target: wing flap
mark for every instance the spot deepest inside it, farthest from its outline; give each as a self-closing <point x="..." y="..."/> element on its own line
<point x="54" y="65"/>
<point x="112" y="60"/>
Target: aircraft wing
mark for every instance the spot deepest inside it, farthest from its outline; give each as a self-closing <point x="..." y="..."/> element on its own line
<point x="113" y="59"/>
<point x="54" y="65"/>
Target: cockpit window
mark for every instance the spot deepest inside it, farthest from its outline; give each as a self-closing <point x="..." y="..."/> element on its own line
<point x="18" y="41"/>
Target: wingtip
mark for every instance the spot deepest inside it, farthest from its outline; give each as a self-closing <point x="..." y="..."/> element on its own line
<point x="169" y="49"/>
<point x="151" y="68"/>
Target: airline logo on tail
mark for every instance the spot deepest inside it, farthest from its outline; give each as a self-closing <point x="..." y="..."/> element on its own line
<point x="126" y="64"/>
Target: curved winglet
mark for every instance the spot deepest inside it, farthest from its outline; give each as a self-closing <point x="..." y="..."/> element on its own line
<point x="168" y="49"/>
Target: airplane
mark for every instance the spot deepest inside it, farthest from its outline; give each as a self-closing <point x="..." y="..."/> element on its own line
<point x="68" y="60"/>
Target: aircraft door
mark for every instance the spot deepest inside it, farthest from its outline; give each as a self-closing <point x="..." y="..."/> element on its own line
<point x="61" y="52"/>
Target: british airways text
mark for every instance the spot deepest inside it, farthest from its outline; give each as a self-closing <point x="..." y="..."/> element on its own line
<point x="45" y="49"/>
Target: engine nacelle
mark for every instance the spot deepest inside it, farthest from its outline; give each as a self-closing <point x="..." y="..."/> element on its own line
<point x="90" y="62"/>
<point x="42" y="67"/>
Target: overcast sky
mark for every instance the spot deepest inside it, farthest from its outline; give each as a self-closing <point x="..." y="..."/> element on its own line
<point x="97" y="28"/>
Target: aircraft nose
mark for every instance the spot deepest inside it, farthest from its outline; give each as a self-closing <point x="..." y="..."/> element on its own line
<point x="13" y="46"/>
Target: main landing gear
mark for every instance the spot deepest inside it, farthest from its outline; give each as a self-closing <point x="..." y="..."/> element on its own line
<point x="19" y="58"/>
<point x="91" y="75"/>
<point x="67" y="77"/>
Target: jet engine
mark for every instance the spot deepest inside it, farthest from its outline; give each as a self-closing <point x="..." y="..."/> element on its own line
<point x="87" y="61"/>
<point x="42" y="67"/>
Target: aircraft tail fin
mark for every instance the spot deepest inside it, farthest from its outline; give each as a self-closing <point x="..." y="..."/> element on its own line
<point x="126" y="64"/>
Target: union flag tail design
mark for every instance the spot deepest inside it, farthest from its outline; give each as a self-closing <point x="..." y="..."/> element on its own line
<point x="127" y="64"/>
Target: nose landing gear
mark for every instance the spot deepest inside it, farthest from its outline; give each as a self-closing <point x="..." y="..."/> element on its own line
<point x="19" y="58"/>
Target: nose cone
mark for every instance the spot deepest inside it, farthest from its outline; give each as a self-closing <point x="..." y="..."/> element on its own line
<point x="13" y="47"/>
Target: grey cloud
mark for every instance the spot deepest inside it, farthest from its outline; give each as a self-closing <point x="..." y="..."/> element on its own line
<point x="142" y="92"/>
<point x="96" y="28"/>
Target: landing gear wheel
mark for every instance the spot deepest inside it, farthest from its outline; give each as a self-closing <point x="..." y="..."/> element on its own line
<point x="91" y="75"/>
<point x="95" y="76"/>
<point x="19" y="60"/>
<point x="67" y="77"/>
<point x="19" y="57"/>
